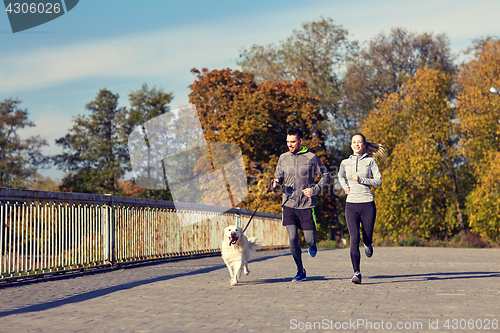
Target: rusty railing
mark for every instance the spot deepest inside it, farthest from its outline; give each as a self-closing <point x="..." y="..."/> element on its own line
<point x="43" y="232"/>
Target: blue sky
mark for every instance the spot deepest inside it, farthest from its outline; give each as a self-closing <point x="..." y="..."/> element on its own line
<point x="58" y="67"/>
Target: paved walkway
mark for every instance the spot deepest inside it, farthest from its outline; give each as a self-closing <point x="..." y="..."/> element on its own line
<point x="413" y="289"/>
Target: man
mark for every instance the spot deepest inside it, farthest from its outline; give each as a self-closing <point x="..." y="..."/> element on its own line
<point x="296" y="169"/>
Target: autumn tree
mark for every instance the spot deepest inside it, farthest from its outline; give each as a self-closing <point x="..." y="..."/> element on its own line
<point x="420" y="195"/>
<point x="383" y="67"/>
<point x="232" y="107"/>
<point x="478" y="111"/>
<point x="316" y="53"/>
<point x="20" y="159"/>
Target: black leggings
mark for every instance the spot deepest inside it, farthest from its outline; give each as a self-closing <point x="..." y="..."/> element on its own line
<point x="293" y="235"/>
<point x="355" y="213"/>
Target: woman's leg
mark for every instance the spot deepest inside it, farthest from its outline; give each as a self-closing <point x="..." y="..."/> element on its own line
<point x="368" y="216"/>
<point x="353" y="218"/>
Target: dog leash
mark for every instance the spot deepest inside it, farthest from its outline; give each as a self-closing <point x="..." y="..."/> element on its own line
<point x="255" y="211"/>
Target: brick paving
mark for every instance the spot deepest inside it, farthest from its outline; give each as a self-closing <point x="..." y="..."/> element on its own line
<point x="419" y="289"/>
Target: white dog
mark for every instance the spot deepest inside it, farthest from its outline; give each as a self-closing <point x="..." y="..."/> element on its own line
<point x="236" y="249"/>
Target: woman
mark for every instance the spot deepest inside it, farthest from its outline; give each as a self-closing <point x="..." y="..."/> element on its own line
<point x="355" y="176"/>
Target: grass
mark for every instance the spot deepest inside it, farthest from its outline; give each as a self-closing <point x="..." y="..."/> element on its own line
<point x="327" y="244"/>
<point x="463" y="239"/>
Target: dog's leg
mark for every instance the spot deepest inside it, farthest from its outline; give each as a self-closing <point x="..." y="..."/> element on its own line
<point x="230" y="269"/>
<point x="237" y="273"/>
<point x="245" y="268"/>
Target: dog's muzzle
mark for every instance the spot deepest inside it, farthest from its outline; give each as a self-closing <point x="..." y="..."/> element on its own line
<point x="233" y="239"/>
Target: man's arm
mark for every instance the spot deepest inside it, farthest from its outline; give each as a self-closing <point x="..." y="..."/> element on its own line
<point x="279" y="174"/>
<point x="322" y="171"/>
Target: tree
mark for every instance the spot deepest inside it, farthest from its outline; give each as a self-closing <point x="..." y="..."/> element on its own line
<point x="389" y="62"/>
<point x="478" y="112"/>
<point x="234" y="108"/>
<point x="19" y="158"/>
<point x="95" y="151"/>
<point x="145" y="104"/>
<point x="92" y="151"/>
<point x="316" y="54"/>
<point x="42" y="183"/>
<point x="420" y="195"/>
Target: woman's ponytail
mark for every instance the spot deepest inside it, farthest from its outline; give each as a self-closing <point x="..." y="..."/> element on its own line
<point x="371" y="148"/>
<point x="374" y="149"/>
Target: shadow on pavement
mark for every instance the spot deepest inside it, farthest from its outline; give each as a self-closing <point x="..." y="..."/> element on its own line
<point x="102" y="292"/>
<point x="106" y="291"/>
<point x="289" y="280"/>
<point x="434" y="276"/>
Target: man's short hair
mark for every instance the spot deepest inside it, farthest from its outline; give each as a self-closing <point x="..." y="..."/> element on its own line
<point x="297" y="132"/>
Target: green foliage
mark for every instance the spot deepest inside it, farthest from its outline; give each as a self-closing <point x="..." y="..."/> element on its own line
<point x="19" y="158"/>
<point x="316" y="54"/>
<point x="92" y="150"/>
<point x="95" y="150"/>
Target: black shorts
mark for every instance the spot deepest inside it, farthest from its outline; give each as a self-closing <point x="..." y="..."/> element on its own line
<point x="304" y="219"/>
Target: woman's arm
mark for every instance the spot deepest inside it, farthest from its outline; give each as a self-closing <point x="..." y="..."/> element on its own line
<point x="342" y="177"/>
<point x="377" y="177"/>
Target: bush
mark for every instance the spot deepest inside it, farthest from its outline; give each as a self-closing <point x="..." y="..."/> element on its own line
<point x="411" y="241"/>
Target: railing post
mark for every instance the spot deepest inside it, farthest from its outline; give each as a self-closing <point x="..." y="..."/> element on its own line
<point x="110" y="231"/>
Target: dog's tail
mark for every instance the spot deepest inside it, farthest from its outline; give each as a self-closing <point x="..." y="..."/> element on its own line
<point x="255" y="243"/>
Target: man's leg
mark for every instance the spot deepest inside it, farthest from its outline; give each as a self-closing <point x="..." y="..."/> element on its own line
<point x="310" y="236"/>
<point x="295" y="249"/>
<point x="308" y="225"/>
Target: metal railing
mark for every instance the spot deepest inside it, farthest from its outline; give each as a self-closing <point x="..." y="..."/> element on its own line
<point x="44" y="232"/>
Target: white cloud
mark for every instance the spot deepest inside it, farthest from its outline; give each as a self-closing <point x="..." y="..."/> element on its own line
<point x="157" y="53"/>
<point x="173" y="52"/>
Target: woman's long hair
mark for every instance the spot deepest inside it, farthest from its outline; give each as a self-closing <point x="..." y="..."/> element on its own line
<point x="371" y="148"/>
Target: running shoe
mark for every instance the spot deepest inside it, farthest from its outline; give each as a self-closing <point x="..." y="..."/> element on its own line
<point x="369" y="251"/>
<point x="301" y="276"/>
<point x="356" y="278"/>
<point x="313" y="250"/>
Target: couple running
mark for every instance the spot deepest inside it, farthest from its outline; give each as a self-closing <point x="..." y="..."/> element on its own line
<point x="296" y="169"/>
